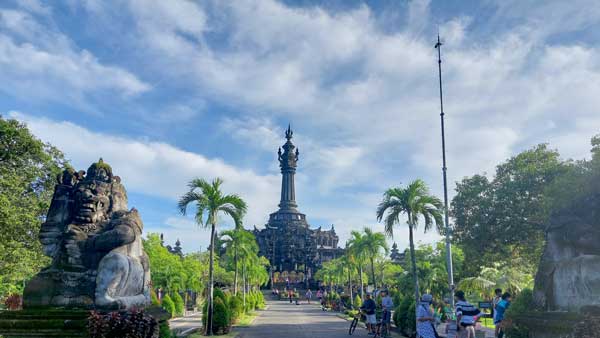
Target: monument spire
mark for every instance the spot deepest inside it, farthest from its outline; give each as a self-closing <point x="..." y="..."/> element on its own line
<point x="288" y="162"/>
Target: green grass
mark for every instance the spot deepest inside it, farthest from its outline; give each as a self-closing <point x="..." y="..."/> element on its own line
<point x="246" y="320"/>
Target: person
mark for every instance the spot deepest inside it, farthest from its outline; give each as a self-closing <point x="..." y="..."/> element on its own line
<point x="319" y="295"/>
<point x="308" y="295"/>
<point x="495" y="300"/>
<point x="290" y="295"/>
<point x="425" y="318"/>
<point x="368" y="308"/>
<point x="465" y="316"/>
<point x="387" y="304"/>
<point x="501" y="307"/>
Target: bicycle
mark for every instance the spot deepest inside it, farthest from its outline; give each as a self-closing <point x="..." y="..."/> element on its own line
<point x="354" y="323"/>
<point x="381" y="330"/>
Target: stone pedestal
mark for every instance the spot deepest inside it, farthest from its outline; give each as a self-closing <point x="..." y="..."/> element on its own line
<point x="559" y="325"/>
<point x="44" y="323"/>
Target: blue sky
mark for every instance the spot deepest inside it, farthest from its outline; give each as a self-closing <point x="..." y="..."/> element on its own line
<point x="166" y="91"/>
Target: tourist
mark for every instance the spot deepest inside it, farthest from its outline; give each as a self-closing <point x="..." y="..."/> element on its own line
<point x="465" y="316"/>
<point x="425" y="318"/>
<point x="368" y="308"/>
<point x="319" y="295"/>
<point x="308" y="296"/>
<point x="495" y="301"/>
<point x="387" y="304"/>
<point x="290" y="295"/>
<point x="501" y="307"/>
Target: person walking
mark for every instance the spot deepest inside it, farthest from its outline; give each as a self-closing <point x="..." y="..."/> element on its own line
<point x="308" y="296"/>
<point x="497" y="298"/>
<point x="290" y="295"/>
<point x="369" y="307"/>
<point x="466" y="315"/>
<point x="387" y="304"/>
<point x="425" y="318"/>
<point x="501" y="308"/>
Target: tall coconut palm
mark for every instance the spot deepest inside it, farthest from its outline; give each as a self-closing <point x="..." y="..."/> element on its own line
<point x="373" y="244"/>
<point x="356" y="247"/>
<point x="210" y="202"/>
<point x="414" y="201"/>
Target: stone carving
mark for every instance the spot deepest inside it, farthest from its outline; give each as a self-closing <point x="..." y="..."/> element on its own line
<point x="568" y="278"/>
<point x="95" y="244"/>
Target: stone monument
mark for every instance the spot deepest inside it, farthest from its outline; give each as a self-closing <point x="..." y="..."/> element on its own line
<point x="95" y="243"/>
<point x="567" y="285"/>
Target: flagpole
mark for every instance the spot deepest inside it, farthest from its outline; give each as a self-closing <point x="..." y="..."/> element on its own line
<point x="438" y="46"/>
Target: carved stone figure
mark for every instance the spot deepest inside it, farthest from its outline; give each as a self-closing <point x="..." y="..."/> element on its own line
<point x="95" y="244"/>
<point x="568" y="278"/>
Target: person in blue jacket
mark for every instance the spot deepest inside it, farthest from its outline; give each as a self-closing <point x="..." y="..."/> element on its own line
<point x="501" y="308"/>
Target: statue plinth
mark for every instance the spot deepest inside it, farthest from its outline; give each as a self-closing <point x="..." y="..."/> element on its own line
<point x="44" y="323"/>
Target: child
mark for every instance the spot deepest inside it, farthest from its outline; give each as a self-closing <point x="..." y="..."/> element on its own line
<point x="501" y="307"/>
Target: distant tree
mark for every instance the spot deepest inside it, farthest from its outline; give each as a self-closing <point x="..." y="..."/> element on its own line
<point x="210" y="202"/>
<point x="238" y="242"/>
<point x="415" y="202"/>
<point x="373" y="244"/>
<point x="356" y="247"/>
<point x="503" y="219"/>
<point x="28" y="171"/>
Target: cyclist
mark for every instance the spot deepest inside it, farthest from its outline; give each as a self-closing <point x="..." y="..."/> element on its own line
<point x="387" y="304"/>
<point x="368" y="308"/>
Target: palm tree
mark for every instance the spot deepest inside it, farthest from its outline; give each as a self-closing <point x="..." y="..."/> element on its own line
<point x="236" y="241"/>
<point x="414" y="201"/>
<point x="373" y="243"/>
<point x="210" y="202"/>
<point x="356" y="247"/>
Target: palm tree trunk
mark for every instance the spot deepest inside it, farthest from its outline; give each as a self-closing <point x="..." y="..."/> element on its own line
<point x="373" y="271"/>
<point x="413" y="262"/>
<point x="235" y="275"/>
<point x="209" y="315"/>
<point x="362" y="285"/>
<point x="244" y="283"/>
<point x="350" y="286"/>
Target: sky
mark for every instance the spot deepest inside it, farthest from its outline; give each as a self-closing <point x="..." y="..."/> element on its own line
<point x="165" y="91"/>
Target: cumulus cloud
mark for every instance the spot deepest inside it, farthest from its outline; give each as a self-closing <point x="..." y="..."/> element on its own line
<point x="154" y="168"/>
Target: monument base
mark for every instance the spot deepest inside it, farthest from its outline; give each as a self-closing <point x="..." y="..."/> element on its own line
<point x="63" y="323"/>
<point x="560" y="325"/>
<point x="44" y="323"/>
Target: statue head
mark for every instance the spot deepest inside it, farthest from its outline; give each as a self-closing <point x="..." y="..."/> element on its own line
<point x="98" y="195"/>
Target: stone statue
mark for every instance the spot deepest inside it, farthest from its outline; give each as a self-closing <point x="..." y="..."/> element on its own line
<point x="95" y="244"/>
<point x="568" y="278"/>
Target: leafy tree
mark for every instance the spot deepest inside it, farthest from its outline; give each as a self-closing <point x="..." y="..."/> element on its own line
<point x="503" y="219"/>
<point x="210" y="202"/>
<point x="28" y="171"/>
<point x="238" y="243"/>
<point x="415" y="201"/>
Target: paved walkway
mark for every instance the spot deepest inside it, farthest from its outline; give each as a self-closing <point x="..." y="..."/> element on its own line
<point x="283" y="319"/>
<point x="183" y="324"/>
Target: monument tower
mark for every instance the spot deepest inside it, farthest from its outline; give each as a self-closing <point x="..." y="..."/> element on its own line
<point x="294" y="250"/>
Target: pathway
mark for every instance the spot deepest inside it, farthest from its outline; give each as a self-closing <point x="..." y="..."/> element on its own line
<point x="186" y="324"/>
<point x="283" y="319"/>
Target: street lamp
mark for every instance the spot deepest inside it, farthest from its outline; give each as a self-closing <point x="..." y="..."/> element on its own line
<point x="438" y="46"/>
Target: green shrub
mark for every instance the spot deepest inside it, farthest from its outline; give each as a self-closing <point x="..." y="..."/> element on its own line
<point x="260" y="300"/>
<point x="154" y="298"/>
<point x="164" y="331"/>
<point x="522" y="304"/>
<point x="168" y="305"/>
<point x="357" y="301"/>
<point x="405" y="317"/>
<point x="218" y="293"/>
<point x="179" y="305"/>
<point x="236" y="307"/>
<point x="222" y="320"/>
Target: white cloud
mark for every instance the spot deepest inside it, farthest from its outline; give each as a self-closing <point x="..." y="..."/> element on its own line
<point x="154" y="168"/>
<point x="40" y="63"/>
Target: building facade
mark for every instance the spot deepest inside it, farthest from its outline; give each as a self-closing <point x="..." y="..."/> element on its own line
<point x="294" y="249"/>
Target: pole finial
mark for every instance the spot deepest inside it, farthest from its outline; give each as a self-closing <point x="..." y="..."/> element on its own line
<point x="289" y="133"/>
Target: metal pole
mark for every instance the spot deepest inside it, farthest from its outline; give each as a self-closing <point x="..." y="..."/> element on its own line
<point x="438" y="46"/>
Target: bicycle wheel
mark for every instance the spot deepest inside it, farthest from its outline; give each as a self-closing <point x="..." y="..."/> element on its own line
<point x="353" y="326"/>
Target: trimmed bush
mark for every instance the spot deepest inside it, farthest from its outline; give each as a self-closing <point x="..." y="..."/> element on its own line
<point x="168" y="305"/>
<point x="218" y="293"/>
<point x="164" y="331"/>
<point x="522" y="304"/>
<point x="179" y="305"/>
<point x="357" y="301"/>
<point x="236" y="307"/>
<point x="260" y="300"/>
<point x="221" y="318"/>
<point x="154" y="298"/>
<point x="405" y="316"/>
